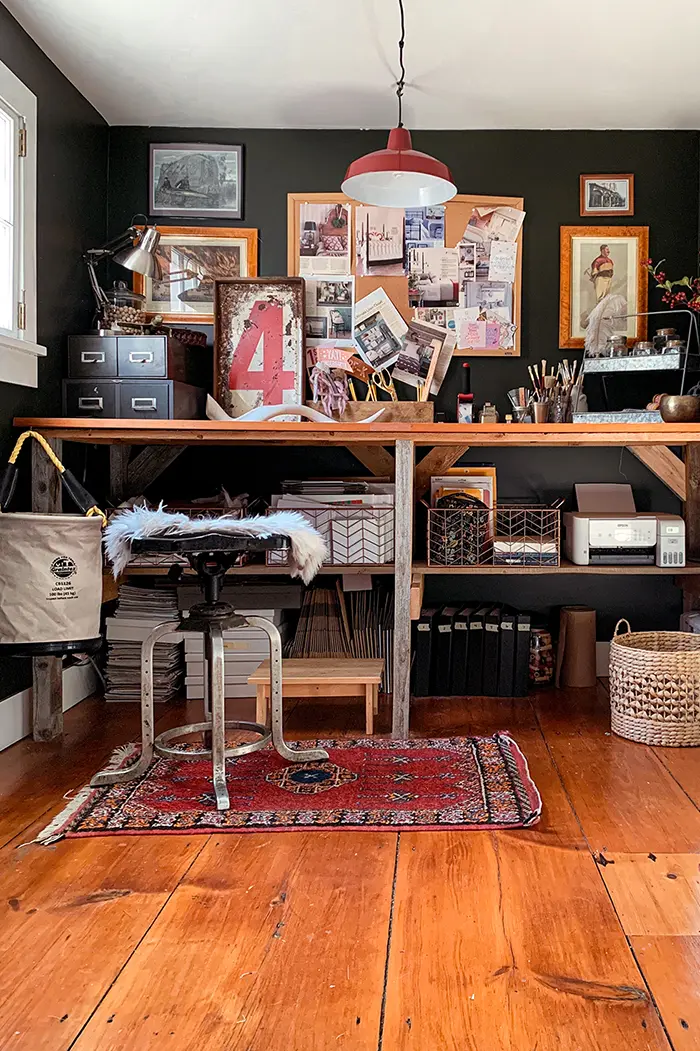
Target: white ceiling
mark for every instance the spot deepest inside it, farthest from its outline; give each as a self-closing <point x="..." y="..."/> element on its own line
<point x="333" y="63"/>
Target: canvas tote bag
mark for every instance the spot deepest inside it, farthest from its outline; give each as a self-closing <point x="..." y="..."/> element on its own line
<point x="50" y="565"/>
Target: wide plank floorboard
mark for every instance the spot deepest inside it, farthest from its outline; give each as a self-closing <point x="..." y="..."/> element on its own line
<point x="498" y="943"/>
<point x="655" y="894"/>
<point x="273" y="942"/>
<point x="71" y="915"/>
<point x="671" y="967"/>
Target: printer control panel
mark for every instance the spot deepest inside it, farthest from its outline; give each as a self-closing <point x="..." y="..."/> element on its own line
<point x="622" y="532"/>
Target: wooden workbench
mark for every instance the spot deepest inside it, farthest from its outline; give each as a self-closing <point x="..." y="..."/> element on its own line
<point x="372" y="444"/>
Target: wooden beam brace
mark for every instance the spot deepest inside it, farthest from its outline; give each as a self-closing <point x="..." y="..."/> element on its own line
<point x="118" y="472"/>
<point x="149" y="465"/>
<point x="403" y="544"/>
<point x="375" y="458"/>
<point x="437" y="461"/>
<point x="692" y="502"/>
<point x="664" y="463"/>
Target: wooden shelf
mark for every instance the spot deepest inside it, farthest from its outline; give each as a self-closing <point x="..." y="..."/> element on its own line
<point x="258" y="571"/>
<point x="566" y="568"/>
<point x="215" y="432"/>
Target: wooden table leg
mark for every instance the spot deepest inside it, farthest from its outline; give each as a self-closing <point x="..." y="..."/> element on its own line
<point x="369" y="709"/>
<point x="403" y="545"/>
<point x="261" y="708"/>
<point x="47" y="672"/>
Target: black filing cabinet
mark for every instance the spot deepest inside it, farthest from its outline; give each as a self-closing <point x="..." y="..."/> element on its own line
<point x="135" y="377"/>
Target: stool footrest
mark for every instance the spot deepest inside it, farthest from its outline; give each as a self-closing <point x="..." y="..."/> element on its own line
<point x="162" y="746"/>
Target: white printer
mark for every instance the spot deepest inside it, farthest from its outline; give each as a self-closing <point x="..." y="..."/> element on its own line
<point x="604" y="539"/>
<point x="620" y="535"/>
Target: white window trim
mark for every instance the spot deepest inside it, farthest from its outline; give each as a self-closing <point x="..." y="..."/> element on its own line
<point x="19" y="357"/>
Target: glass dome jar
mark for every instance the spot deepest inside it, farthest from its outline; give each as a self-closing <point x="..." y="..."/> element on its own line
<point x="124" y="310"/>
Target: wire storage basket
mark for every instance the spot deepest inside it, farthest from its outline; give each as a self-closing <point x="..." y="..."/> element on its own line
<point x="655" y="686"/>
<point x="358" y="536"/>
<point x="517" y="535"/>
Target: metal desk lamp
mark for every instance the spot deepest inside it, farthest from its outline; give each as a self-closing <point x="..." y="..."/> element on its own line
<point x="135" y="249"/>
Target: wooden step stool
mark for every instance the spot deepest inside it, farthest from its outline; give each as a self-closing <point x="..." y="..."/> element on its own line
<point x="320" y="678"/>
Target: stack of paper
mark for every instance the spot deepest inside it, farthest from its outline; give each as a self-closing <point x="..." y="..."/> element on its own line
<point x="244" y="651"/>
<point x="139" y="610"/>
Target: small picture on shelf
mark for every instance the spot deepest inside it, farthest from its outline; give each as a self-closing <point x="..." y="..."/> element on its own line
<point x="606" y="194"/>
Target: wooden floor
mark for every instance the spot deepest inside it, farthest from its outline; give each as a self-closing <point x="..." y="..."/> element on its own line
<point x="581" y="933"/>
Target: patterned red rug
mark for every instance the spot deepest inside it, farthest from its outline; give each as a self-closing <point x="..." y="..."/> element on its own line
<point x="371" y="783"/>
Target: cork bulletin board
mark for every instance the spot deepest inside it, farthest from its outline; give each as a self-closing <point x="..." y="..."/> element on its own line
<point x="457" y="214"/>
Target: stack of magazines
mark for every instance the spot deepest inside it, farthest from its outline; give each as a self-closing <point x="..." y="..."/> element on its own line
<point x="139" y="610"/>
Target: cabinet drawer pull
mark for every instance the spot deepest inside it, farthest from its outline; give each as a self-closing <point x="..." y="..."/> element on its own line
<point x="90" y="403"/>
<point x="143" y="404"/>
<point x="141" y="357"/>
<point x="92" y="357"/>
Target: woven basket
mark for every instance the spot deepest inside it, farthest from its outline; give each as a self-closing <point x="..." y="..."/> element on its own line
<point x="655" y="686"/>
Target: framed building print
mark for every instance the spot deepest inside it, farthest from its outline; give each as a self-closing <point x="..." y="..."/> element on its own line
<point x="259" y="342"/>
<point x="598" y="262"/>
<point x="606" y="194"/>
<point x="191" y="258"/>
<point x="197" y="180"/>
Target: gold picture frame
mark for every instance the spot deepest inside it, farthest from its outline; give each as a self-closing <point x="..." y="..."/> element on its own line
<point x="202" y="255"/>
<point x="606" y="195"/>
<point x="596" y="261"/>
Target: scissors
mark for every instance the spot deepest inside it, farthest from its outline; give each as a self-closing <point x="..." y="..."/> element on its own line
<point x="382" y="380"/>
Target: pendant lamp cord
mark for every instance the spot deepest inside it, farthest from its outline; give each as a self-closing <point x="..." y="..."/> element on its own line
<point x="402" y="79"/>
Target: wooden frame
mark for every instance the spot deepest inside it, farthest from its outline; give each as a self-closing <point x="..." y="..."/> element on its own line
<point x="195" y="212"/>
<point x="602" y="233"/>
<point x="221" y="233"/>
<point x="227" y="314"/>
<point x="457" y="214"/>
<point x="584" y="212"/>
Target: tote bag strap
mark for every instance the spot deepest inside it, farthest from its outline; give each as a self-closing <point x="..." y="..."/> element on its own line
<point x="77" y="492"/>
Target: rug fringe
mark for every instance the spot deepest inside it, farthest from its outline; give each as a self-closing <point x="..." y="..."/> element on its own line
<point x="56" y="829"/>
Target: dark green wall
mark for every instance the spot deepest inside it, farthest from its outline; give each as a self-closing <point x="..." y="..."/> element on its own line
<point x="71" y="206"/>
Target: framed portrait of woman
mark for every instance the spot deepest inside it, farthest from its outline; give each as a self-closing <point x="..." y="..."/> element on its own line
<point x="597" y="263"/>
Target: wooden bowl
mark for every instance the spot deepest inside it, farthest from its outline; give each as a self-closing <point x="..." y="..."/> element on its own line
<point x="677" y="408"/>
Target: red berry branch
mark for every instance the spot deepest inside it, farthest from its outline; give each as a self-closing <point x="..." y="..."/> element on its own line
<point x="683" y="294"/>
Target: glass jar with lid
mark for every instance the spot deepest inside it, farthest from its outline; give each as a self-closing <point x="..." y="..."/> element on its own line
<point x="662" y="337"/>
<point x="643" y="348"/>
<point x="124" y="310"/>
<point x="616" y="346"/>
<point x="674" y="346"/>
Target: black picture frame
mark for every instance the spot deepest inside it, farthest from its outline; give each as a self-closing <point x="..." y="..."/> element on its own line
<point x="192" y="180"/>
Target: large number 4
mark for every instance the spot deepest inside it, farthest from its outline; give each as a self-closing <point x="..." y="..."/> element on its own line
<point x="258" y="360"/>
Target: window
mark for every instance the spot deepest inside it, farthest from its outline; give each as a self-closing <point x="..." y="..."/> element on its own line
<point x="18" y="347"/>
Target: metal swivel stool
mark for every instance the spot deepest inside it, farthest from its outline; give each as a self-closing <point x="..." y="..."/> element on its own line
<point x="210" y="555"/>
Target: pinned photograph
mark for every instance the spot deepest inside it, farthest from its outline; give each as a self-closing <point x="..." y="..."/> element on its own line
<point x="379" y="240"/>
<point x="425" y="227"/>
<point x="379" y="329"/>
<point x="433" y="315"/>
<point x="329" y="304"/>
<point x="500" y="223"/>
<point x="433" y="278"/>
<point x="196" y="180"/>
<point x="489" y="295"/>
<point x="467" y="261"/>
<point x="324" y="239"/>
<point x="422" y="343"/>
<point x="606" y="194"/>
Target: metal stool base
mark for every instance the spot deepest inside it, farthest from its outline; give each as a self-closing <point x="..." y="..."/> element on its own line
<point x="173" y="752"/>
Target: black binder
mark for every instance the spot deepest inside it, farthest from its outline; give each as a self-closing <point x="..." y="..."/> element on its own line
<point x="506" y="659"/>
<point x="460" y="651"/>
<point x="492" y="632"/>
<point x="522" y="655"/>
<point x="475" y="662"/>
<point x="422" y="664"/>
<point x="442" y="646"/>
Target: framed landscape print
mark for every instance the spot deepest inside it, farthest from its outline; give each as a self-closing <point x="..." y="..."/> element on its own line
<point x="259" y="342"/>
<point x="601" y="261"/>
<point x="191" y="259"/>
<point x="607" y="194"/>
<point x="197" y="180"/>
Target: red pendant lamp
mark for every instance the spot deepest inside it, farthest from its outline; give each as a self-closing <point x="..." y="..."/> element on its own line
<point x="399" y="176"/>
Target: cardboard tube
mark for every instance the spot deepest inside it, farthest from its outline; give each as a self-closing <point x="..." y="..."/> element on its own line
<point x="576" y="664"/>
